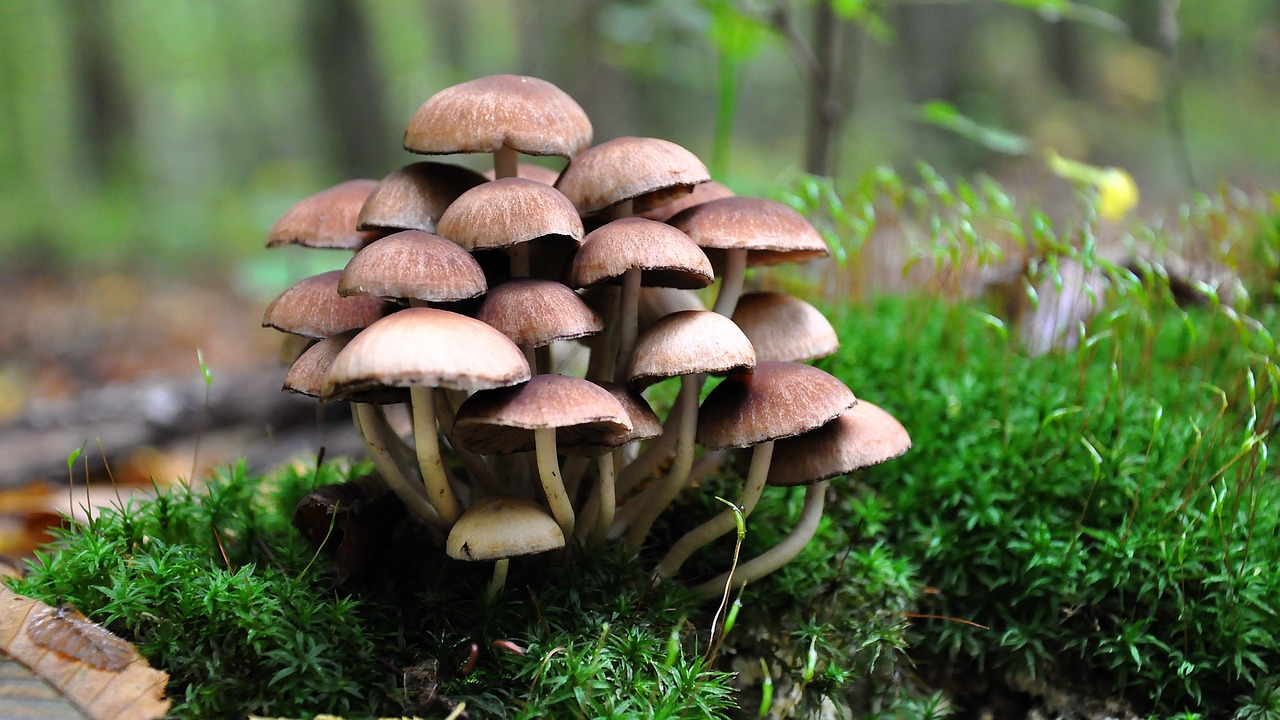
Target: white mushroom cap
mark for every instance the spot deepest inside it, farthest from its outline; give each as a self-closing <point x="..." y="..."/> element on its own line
<point x="503" y="527"/>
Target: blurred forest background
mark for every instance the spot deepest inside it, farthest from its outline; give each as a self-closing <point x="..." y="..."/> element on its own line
<point x="166" y="134"/>
<point x="146" y="146"/>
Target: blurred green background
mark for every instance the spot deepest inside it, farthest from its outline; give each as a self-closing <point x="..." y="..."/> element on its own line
<point x="169" y="135"/>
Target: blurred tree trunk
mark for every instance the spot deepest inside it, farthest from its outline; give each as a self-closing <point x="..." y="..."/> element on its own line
<point x="1064" y="55"/>
<point x="349" y="88"/>
<point x="826" y="112"/>
<point x="104" y="115"/>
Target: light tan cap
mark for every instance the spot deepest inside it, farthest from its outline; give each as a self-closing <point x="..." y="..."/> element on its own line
<point x="504" y="420"/>
<point x="689" y="342"/>
<point x="648" y="170"/>
<point x="426" y="347"/>
<point x="534" y="313"/>
<point x="413" y="265"/>
<point x="664" y="256"/>
<point x="778" y="400"/>
<point x="862" y="436"/>
<point x="326" y="219"/>
<point x="503" y="527"/>
<point x="770" y="231"/>
<point x="414" y="197"/>
<point x="313" y="308"/>
<point x="529" y="115"/>
<point x="507" y="212"/>
<point x="782" y="327"/>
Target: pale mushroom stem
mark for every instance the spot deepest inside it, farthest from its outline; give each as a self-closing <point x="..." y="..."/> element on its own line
<point x="628" y="314"/>
<point x="549" y="472"/>
<point x="477" y="467"/>
<point x="542" y="359"/>
<point x="705" y="465"/>
<point x="674" y="481"/>
<point x="607" y="503"/>
<point x="374" y="430"/>
<point x="780" y="554"/>
<point x="499" y="578"/>
<point x="426" y="441"/>
<point x="735" y="270"/>
<point x="504" y="162"/>
<point x="653" y="454"/>
<point x="721" y="524"/>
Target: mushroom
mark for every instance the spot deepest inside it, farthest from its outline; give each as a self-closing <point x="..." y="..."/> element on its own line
<point x="536" y="313"/>
<point x="503" y="115"/>
<point x="326" y="219"/>
<point x="684" y="344"/>
<point x="860" y="437"/>
<point x="535" y="416"/>
<point x="641" y="172"/>
<point x="413" y="265"/>
<point x="779" y="400"/>
<point x="500" y="528"/>
<point x="702" y="192"/>
<point x="414" y="196"/>
<point x="786" y="328"/>
<point x="421" y="349"/>
<point x="751" y="231"/>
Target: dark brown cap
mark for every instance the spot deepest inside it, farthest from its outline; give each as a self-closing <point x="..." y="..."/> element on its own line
<point x="504" y="420"/>
<point x="531" y="116"/>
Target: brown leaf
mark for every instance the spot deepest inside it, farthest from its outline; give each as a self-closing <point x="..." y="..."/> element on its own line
<point x="98" y="674"/>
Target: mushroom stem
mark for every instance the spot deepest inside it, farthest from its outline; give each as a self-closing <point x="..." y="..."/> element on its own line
<point x="542" y="359"/>
<point x="607" y="501"/>
<point x="778" y="555"/>
<point x="499" y="577"/>
<point x="673" y="483"/>
<point x="709" y="531"/>
<point x="426" y="441"/>
<point x="375" y="431"/>
<point x="477" y="467"/>
<point x="653" y="454"/>
<point x="628" y="313"/>
<point x="549" y="472"/>
<point x="735" y="269"/>
<point x="706" y="465"/>
<point x="504" y="162"/>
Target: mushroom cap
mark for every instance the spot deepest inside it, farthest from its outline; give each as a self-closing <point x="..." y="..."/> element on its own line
<point x="416" y="265"/>
<point x="426" y="347"/>
<point x="534" y="313"/>
<point x="507" y="212"/>
<point x="630" y="168"/>
<point x="326" y="219"/>
<point x="782" y="327"/>
<point x="313" y="308"/>
<point x="702" y="192"/>
<point x="644" y="423"/>
<point x="414" y="196"/>
<point x="664" y="256"/>
<point x="527" y="114"/>
<point x="503" y="420"/>
<point x="770" y="231"/>
<point x="862" y="436"/>
<point x="780" y="399"/>
<point x="502" y="527"/>
<point x="689" y="342"/>
<point x="306" y="375"/>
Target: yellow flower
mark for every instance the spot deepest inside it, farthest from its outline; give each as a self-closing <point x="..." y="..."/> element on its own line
<point x="1117" y="192"/>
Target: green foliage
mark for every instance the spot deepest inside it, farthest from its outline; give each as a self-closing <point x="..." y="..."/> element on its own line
<point x="1103" y="507"/>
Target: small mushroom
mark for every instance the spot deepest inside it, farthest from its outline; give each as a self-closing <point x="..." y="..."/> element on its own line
<point x="500" y="528"/>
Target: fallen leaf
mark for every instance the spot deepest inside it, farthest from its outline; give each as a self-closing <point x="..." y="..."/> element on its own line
<point x="91" y="671"/>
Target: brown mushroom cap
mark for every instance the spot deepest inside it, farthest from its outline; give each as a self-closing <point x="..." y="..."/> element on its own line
<point x="630" y="168"/>
<point x="503" y="527"/>
<point x="326" y="219"/>
<point x="690" y="342"/>
<point x="414" y="197"/>
<point x="703" y="192"/>
<point x="644" y="423"/>
<point x="665" y="256"/>
<point x="416" y="265"/>
<point x="782" y="327"/>
<point x="770" y="231"/>
<point x="507" y="212"/>
<point x="504" y="420"/>
<point x="306" y="375"/>
<point x="313" y="308"/>
<point x="778" y="400"/>
<point x="862" y="436"/>
<point x="534" y="313"/>
<point x="426" y="347"/>
<point x="527" y="114"/>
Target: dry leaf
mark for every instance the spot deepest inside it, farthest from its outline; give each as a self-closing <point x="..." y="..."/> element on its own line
<point x="99" y="674"/>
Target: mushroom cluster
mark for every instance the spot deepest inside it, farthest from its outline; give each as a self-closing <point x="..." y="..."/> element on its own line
<point x="521" y="317"/>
